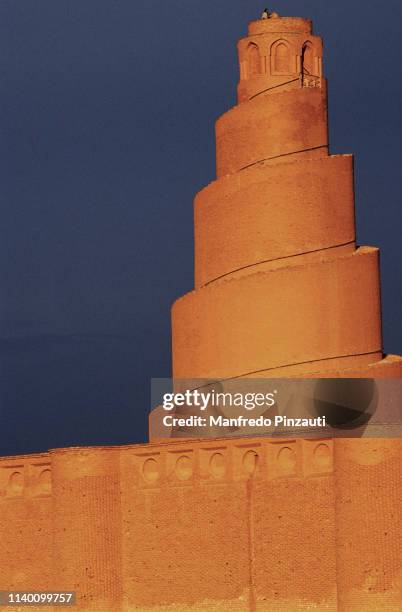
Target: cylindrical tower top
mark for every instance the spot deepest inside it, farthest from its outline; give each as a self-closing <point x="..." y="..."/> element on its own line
<point x="279" y="53"/>
<point x="280" y="24"/>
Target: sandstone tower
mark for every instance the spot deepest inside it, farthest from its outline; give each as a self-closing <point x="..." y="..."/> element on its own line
<point x="281" y="289"/>
<point x="280" y="286"/>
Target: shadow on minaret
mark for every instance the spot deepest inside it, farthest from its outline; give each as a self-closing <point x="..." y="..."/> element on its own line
<point x="348" y="403"/>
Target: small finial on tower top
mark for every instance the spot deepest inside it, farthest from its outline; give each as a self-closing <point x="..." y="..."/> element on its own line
<point x="267" y="15"/>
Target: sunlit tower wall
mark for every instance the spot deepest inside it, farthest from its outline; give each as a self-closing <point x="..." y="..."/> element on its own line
<point x="244" y="524"/>
<point x="280" y="286"/>
<point x="282" y="289"/>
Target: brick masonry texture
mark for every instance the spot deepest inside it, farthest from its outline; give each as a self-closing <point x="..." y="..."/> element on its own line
<point x="281" y="289"/>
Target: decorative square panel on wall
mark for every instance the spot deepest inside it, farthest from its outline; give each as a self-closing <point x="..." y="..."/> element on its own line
<point x="39" y="479"/>
<point x="181" y="467"/>
<point x="318" y="457"/>
<point x="151" y="470"/>
<point x="12" y="481"/>
<point x="215" y="464"/>
<point x="248" y="461"/>
<point x="284" y="459"/>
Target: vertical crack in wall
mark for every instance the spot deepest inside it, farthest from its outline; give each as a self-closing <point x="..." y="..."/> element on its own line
<point x="251" y="539"/>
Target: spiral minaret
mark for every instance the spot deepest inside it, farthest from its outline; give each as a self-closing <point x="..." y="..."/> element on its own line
<point x="281" y="288"/>
<point x="249" y="524"/>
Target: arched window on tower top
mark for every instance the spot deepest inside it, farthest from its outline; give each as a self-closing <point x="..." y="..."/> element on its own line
<point x="310" y="66"/>
<point x="254" y="60"/>
<point x="281" y="58"/>
<point x="308" y="59"/>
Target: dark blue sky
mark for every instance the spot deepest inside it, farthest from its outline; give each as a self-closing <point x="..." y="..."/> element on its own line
<point x="106" y="133"/>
